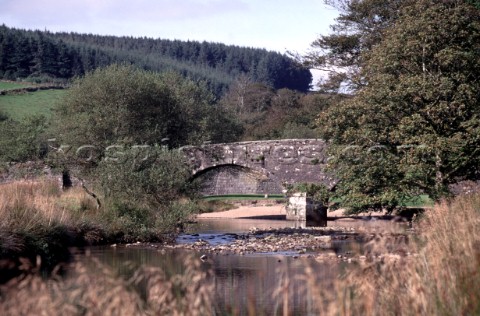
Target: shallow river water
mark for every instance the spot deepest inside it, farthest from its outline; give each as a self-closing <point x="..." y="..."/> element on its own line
<point x="243" y="282"/>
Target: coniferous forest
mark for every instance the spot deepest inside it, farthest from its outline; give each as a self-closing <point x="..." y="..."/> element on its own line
<point x="46" y="56"/>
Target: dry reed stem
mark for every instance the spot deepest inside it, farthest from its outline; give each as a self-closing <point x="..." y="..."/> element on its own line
<point x="442" y="277"/>
<point x="28" y="203"/>
<point x="97" y="290"/>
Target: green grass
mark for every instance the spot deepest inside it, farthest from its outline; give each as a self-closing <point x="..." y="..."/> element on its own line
<point x="243" y="197"/>
<point x="19" y="106"/>
<point x="8" y="85"/>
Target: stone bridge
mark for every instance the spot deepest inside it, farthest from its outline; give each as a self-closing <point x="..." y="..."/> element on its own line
<point x="257" y="167"/>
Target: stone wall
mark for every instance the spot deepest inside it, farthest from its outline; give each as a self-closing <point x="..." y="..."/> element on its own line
<point x="234" y="179"/>
<point x="258" y="166"/>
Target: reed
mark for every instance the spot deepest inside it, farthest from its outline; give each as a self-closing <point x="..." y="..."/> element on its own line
<point x="95" y="289"/>
<point x="39" y="218"/>
<point x="27" y="205"/>
<point x="441" y="277"/>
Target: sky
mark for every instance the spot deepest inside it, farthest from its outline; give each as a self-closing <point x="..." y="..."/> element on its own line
<point x="280" y="25"/>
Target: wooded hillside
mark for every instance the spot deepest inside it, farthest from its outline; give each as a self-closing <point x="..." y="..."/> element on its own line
<point x="42" y="55"/>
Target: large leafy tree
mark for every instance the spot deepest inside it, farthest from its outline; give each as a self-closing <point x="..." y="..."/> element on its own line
<point x="122" y="105"/>
<point x="415" y="127"/>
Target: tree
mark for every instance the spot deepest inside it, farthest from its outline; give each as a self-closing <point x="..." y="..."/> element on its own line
<point x="22" y="141"/>
<point x="151" y="180"/>
<point x="123" y="106"/>
<point x="202" y="119"/>
<point x="358" y="28"/>
<point x="117" y="105"/>
<point x="415" y="127"/>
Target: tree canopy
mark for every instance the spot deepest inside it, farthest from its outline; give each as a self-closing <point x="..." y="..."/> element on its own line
<point x="122" y="105"/>
<point x="42" y="55"/>
<point x="414" y="127"/>
<point x="359" y="27"/>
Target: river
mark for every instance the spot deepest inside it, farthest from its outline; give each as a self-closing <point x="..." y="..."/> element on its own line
<point x="246" y="282"/>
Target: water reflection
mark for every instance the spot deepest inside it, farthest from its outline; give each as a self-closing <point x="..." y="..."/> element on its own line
<point x="244" y="283"/>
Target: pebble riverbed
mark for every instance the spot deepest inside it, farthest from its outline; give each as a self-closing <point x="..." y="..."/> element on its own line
<point x="320" y="243"/>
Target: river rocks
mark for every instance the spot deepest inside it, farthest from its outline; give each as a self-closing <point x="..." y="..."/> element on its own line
<point x="294" y="241"/>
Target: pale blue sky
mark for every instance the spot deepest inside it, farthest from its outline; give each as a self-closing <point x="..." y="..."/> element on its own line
<point x="274" y="25"/>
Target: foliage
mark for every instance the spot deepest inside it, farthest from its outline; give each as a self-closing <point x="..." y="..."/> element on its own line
<point x="136" y="183"/>
<point x="272" y="114"/>
<point x="123" y="106"/>
<point x="24" y="140"/>
<point x="3" y="116"/>
<point x="203" y="119"/>
<point x="294" y="130"/>
<point x="318" y="192"/>
<point x="359" y="27"/>
<point x="414" y="128"/>
<point x="43" y="55"/>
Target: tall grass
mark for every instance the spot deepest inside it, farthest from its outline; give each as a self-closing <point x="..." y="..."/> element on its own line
<point x="33" y="206"/>
<point x="28" y="205"/>
<point x="39" y="218"/>
<point x="96" y="290"/>
<point x="442" y="277"/>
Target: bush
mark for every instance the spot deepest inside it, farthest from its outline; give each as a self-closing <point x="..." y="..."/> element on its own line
<point x="152" y="182"/>
<point x="120" y="104"/>
<point x="22" y="141"/>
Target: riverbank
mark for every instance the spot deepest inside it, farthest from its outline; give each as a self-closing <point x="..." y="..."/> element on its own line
<point x="276" y="211"/>
<point x="39" y="222"/>
<point x="248" y="211"/>
<point x="436" y="272"/>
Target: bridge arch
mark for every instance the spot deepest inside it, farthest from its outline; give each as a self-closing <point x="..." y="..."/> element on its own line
<point x="234" y="179"/>
<point x="257" y="167"/>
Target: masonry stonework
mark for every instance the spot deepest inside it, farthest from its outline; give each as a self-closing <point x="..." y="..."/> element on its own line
<point x="257" y="167"/>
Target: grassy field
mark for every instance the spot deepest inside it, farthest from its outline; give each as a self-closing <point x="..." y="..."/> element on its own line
<point x="18" y="106"/>
<point x="8" y="85"/>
